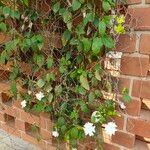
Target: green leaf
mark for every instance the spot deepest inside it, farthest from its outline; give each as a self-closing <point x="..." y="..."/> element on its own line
<point x="108" y="42"/>
<point x="67" y="16"/>
<point x="66" y="37"/>
<point x="61" y="121"/>
<point x="39" y="59"/>
<point x="96" y="45"/>
<point x="3" y="57"/>
<point x="84" y="82"/>
<point x="50" y="77"/>
<point x="58" y="89"/>
<point x="3" y="27"/>
<point x="125" y="94"/>
<point x="106" y="6"/>
<point x="26" y="2"/>
<point x="91" y="97"/>
<point x="50" y="97"/>
<point x="74" y="133"/>
<point x="102" y="27"/>
<point x="56" y="7"/>
<point x="76" y="5"/>
<point x="84" y="106"/>
<point x="48" y="108"/>
<point x="40" y="83"/>
<point x="86" y="44"/>
<point x="39" y="107"/>
<point x="97" y="75"/>
<point x="6" y="11"/>
<point x="14" y="14"/>
<point x="126" y="98"/>
<point x="50" y="62"/>
<point x="13" y="87"/>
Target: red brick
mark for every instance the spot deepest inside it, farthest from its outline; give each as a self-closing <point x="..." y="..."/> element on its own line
<point x="122" y="43"/>
<point x="123" y="83"/>
<point x="29" y="138"/>
<point x="133" y="108"/>
<point x="30" y="118"/>
<point x="147" y="1"/>
<point x="107" y="146"/>
<point x="45" y="121"/>
<point x="11" y="130"/>
<point x="11" y="111"/>
<point x="2" y="118"/>
<point x="124" y="139"/>
<point x="140" y="89"/>
<point x="20" y="125"/>
<point x="46" y="135"/>
<point x="135" y="65"/>
<point x="51" y="147"/>
<point x="139" y="127"/>
<point x="119" y="120"/>
<point x="141" y="15"/>
<point x="144" y="44"/>
<point x="133" y="1"/>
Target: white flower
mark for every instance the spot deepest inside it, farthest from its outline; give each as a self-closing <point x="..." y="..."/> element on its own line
<point x="29" y="92"/>
<point x="22" y="27"/>
<point x="122" y="105"/>
<point x="23" y="104"/>
<point x="39" y="96"/>
<point x="89" y="129"/>
<point x="22" y="16"/>
<point x="55" y="133"/>
<point x="110" y="128"/>
<point x="30" y="25"/>
<point x="96" y="116"/>
<point x="26" y="19"/>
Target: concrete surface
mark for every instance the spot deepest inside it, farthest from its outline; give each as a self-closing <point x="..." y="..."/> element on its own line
<point x="9" y="142"/>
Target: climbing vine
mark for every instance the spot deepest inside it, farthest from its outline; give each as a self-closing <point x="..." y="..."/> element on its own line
<point x="56" y="52"/>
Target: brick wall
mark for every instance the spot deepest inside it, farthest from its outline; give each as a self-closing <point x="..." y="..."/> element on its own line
<point x="133" y="124"/>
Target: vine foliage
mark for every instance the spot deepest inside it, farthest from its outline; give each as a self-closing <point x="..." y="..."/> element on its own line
<point x="56" y="52"/>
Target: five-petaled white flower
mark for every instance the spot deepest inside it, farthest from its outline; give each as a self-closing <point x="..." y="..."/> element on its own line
<point x="55" y="133"/>
<point x="39" y="96"/>
<point x="110" y="128"/>
<point x="23" y="104"/>
<point x="89" y="129"/>
<point x="122" y="105"/>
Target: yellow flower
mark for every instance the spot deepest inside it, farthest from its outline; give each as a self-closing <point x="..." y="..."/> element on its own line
<point x="120" y="19"/>
<point x="119" y="29"/>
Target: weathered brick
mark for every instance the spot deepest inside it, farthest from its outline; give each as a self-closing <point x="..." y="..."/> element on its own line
<point x="30" y="118"/>
<point x="139" y="127"/>
<point x="133" y="1"/>
<point x="20" y="125"/>
<point x="107" y="146"/>
<point x="119" y="121"/>
<point x="144" y="44"/>
<point x="135" y="65"/>
<point x="122" y="43"/>
<point x="141" y="15"/>
<point x="133" y="108"/>
<point x="124" y="139"/>
<point x="123" y="83"/>
<point x="140" y="89"/>
<point x="147" y="1"/>
<point x="46" y="135"/>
